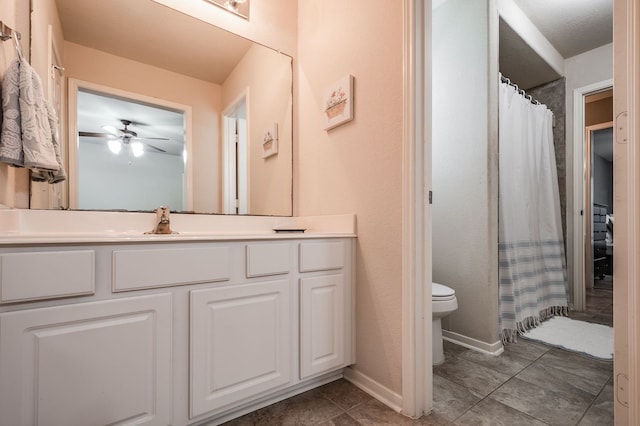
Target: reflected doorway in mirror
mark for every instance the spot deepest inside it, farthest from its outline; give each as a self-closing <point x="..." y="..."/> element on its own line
<point x="236" y="161"/>
<point x="129" y="150"/>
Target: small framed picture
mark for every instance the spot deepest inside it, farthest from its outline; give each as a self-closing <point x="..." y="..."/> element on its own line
<point x="338" y="103"/>
<point x="270" y="142"/>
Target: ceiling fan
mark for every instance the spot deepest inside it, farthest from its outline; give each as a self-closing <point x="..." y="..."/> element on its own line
<point x="124" y="136"/>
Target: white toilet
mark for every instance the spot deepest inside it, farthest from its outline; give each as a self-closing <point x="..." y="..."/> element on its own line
<point x="443" y="302"/>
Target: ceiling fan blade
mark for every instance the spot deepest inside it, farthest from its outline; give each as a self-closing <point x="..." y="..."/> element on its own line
<point x="96" y="135"/>
<point x="155" y="139"/>
<point x="154" y="147"/>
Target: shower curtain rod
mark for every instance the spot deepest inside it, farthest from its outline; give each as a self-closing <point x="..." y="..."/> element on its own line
<point x="519" y="90"/>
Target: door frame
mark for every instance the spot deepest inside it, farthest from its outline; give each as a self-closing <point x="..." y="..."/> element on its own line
<point x="417" y="374"/>
<point x="626" y="177"/>
<point x="417" y="380"/>
<point x="580" y="186"/>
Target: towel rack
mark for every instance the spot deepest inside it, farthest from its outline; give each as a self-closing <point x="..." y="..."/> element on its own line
<point x="6" y="32"/>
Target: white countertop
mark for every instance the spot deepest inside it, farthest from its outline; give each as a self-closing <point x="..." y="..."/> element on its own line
<point x="53" y="226"/>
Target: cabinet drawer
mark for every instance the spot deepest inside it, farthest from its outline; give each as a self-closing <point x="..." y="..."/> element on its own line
<point x="321" y="256"/>
<point x="45" y="275"/>
<point x="267" y="259"/>
<point x="138" y="269"/>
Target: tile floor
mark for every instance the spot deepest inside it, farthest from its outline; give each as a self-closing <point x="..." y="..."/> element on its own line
<point x="599" y="303"/>
<point x="529" y="384"/>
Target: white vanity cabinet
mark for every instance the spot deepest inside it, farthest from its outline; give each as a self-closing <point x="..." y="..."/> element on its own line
<point x="241" y="334"/>
<point x="322" y="324"/>
<point x="325" y="307"/>
<point x="170" y="333"/>
<point x="240" y="343"/>
<point x="93" y="363"/>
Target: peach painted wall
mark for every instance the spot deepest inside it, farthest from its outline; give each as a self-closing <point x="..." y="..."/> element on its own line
<point x="267" y="77"/>
<point x="98" y="67"/>
<point x="14" y="183"/>
<point x="357" y="167"/>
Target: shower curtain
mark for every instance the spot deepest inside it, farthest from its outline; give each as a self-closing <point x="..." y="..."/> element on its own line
<point x="532" y="271"/>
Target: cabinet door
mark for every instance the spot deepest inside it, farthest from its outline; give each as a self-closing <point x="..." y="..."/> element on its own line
<point x="322" y="324"/>
<point x="240" y="343"/>
<point x="94" y="363"/>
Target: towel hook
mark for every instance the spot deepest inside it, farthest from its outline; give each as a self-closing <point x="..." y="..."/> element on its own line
<point x="58" y="68"/>
<point x="5" y="32"/>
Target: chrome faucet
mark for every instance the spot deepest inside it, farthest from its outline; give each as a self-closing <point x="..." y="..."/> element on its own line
<point x="163" y="223"/>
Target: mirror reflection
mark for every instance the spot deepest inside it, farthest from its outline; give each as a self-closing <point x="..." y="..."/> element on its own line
<point x="141" y="78"/>
<point x="142" y="155"/>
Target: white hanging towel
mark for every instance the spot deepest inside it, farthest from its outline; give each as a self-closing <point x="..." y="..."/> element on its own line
<point x="27" y="136"/>
<point x="40" y="175"/>
<point x="10" y="137"/>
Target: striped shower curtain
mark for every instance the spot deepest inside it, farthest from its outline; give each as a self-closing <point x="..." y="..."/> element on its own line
<point x="532" y="271"/>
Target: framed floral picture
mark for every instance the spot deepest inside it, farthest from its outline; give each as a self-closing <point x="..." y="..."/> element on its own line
<point x="337" y="103"/>
<point x="270" y="141"/>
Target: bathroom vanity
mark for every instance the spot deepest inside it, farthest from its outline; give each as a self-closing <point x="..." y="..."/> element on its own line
<point x="120" y="327"/>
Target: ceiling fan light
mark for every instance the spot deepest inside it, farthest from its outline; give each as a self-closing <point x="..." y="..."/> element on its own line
<point x="115" y="146"/>
<point x="111" y="130"/>
<point x="137" y="149"/>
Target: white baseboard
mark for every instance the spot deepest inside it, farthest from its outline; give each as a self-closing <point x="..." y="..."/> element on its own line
<point x="373" y="388"/>
<point x="494" y="349"/>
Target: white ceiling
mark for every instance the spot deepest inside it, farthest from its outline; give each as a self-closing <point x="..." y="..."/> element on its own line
<point x="571" y="26"/>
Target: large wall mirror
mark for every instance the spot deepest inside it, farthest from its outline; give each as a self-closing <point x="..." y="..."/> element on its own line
<point x="160" y="108"/>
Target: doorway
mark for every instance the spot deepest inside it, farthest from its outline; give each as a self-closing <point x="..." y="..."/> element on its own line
<point x="593" y="114"/>
<point x="236" y="167"/>
<point x="127" y="151"/>
<point x="598" y="250"/>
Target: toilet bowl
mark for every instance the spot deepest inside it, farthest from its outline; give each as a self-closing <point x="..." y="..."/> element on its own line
<point x="443" y="302"/>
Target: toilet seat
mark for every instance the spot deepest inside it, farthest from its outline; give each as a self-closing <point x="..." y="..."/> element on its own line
<point x="443" y="300"/>
<point x="441" y="293"/>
